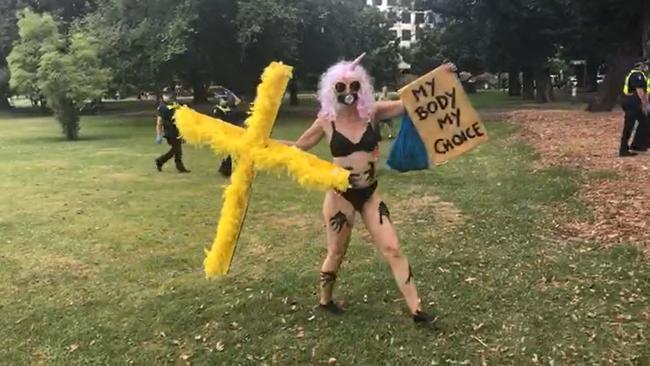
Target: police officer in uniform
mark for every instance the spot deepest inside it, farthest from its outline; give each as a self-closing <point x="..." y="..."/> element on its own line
<point x="166" y="126"/>
<point x="635" y="105"/>
<point x="226" y="102"/>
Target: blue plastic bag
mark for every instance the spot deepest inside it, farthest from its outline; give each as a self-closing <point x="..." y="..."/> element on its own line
<point x="408" y="151"/>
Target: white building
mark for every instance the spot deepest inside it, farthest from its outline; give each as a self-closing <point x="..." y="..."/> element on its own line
<point x="408" y="19"/>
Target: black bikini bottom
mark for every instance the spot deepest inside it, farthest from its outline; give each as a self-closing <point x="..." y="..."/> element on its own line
<point x="359" y="196"/>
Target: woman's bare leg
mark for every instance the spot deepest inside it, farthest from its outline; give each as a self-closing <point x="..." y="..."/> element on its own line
<point x="377" y="219"/>
<point x="339" y="218"/>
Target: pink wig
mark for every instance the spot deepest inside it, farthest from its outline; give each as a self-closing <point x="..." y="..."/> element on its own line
<point x="347" y="72"/>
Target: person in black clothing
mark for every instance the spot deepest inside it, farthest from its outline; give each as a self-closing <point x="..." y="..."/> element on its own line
<point x="226" y="102"/>
<point x="166" y="126"/>
<point x="635" y="106"/>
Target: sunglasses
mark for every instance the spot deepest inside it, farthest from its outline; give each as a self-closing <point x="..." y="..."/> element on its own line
<point x="354" y="86"/>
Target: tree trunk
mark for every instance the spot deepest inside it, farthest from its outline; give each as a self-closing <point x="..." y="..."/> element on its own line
<point x="591" y="81"/>
<point x="67" y="114"/>
<point x="4" y="89"/>
<point x="618" y="65"/>
<point x="514" y="86"/>
<point x="544" y="90"/>
<point x="200" y="92"/>
<point x="528" y="84"/>
<point x="42" y="102"/>
<point x="293" y="91"/>
<point x="646" y="30"/>
<point x="4" y="101"/>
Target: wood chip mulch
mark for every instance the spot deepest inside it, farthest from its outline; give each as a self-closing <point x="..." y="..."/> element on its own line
<point x="589" y="142"/>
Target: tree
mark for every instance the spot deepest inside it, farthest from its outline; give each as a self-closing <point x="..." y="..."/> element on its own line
<point x="66" y="10"/>
<point x="36" y="33"/>
<point x="645" y="28"/>
<point x="7" y="36"/>
<point x="140" y="40"/>
<point x="613" y="31"/>
<point x="374" y="37"/>
<point x="213" y="53"/>
<point x="311" y="35"/>
<point x="66" y="70"/>
<point x="150" y="43"/>
<point x="4" y="87"/>
<point x="428" y="52"/>
<point x="266" y="30"/>
<point x="507" y="35"/>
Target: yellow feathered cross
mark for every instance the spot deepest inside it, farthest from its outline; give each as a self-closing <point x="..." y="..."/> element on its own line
<point x="253" y="151"/>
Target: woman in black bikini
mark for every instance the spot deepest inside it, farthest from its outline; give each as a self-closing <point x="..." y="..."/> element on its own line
<point x="348" y="118"/>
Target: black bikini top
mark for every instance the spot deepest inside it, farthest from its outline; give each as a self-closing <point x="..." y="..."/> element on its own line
<point x="342" y="146"/>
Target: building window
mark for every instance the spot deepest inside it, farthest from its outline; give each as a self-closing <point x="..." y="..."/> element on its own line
<point x="392" y="2"/>
<point x="406" y="17"/>
<point x="394" y="33"/>
<point x="419" y="18"/>
<point x="377" y="2"/>
<point x="406" y="35"/>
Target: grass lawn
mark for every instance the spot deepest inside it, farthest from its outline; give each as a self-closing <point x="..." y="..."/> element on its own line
<point x="101" y="256"/>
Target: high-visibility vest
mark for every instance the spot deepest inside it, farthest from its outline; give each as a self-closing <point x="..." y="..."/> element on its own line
<point x="173" y="106"/>
<point x="626" y="89"/>
<point x="168" y="118"/>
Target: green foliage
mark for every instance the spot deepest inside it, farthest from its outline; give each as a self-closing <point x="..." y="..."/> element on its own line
<point x="154" y="42"/>
<point x="428" y="53"/>
<point x="313" y="34"/>
<point x="37" y="34"/>
<point x="4" y="87"/>
<point x="66" y="10"/>
<point x="271" y="22"/>
<point x="139" y="38"/>
<point x="525" y="35"/>
<point x="382" y="64"/>
<point x="501" y="34"/>
<point x="373" y="36"/>
<point x="149" y="43"/>
<point x="69" y="79"/>
<point x="8" y="29"/>
<point x="4" y="76"/>
<point x="67" y="72"/>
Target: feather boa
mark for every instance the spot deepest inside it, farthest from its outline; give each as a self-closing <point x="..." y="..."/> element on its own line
<point x="254" y="151"/>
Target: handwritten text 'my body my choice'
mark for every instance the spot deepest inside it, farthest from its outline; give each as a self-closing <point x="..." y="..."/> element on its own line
<point x="433" y="104"/>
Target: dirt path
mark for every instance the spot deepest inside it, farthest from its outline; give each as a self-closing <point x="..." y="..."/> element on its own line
<point x="588" y="141"/>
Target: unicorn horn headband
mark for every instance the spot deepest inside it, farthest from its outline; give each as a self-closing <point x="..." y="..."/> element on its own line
<point x="357" y="61"/>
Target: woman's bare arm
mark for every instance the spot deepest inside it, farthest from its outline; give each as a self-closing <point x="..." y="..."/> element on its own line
<point x="309" y="138"/>
<point x="392" y="109"/>
<point x="389" y="109"/>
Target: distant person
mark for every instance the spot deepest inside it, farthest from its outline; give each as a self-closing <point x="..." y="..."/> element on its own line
<point x="383" y="96"/>
<point x="166" y="127"/>
<point x="635" y="105"/>
<point x="226" y="102"/>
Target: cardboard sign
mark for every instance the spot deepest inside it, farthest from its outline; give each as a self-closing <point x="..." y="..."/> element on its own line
<point x="446" y="121"/>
